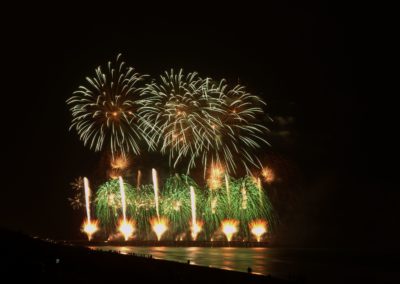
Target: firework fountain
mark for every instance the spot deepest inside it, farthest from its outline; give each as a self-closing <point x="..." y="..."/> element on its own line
<point x="184" y="209"/>
<point x="258" y="228"/>
<point x="89" y="227"/>
<point x="155" y="186"/>
<point x="228" y="194"/>
<point x="230" y="227"/>
<point x="196" y="226"/>
<point x="159" y="225"/>
<point x="125" y="226"/>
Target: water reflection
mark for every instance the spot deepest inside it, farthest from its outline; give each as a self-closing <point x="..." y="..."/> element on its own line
<point x="226" y="258"/>
<point x="316" y="265"/>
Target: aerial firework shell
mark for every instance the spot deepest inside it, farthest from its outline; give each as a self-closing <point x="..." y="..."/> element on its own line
<point x="105" y="111"/>
<point x="239" y="130"/>
<point x="180" y="116"/>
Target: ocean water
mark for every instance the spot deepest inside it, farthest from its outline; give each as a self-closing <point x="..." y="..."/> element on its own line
<point x="311" y="265"/>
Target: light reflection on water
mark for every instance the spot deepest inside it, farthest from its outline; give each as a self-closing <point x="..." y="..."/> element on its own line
<point x="226" y="257"/>
<point x="315" y="265"/>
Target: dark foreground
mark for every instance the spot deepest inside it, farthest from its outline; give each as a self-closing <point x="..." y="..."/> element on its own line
<point x="23" y="258"/>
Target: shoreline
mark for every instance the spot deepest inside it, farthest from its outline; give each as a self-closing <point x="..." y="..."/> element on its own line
<point x="25" y="257"/>
<point x="154" y="243"/>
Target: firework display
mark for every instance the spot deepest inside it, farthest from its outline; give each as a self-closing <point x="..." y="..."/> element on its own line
<point x="203" y="126"/>
<point x="200" y="121"/>
<point x="76" y="201"/>
<point x="109" y="206"/>
<point x="105" y="111"/>
<point x="89" y="227"/>
<point x="185" y="209"/>
<point x="180" y="116"/>
<point x="238" y="130"/>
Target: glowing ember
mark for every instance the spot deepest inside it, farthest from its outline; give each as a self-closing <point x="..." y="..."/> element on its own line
<point x="113" y="174"/>
<point x="126" y="228"/>
<point x="119" y="163"/>
<point x="196" y="229"/>
<point x="159" y="226"/>
<point x="258" y="228"/>
<point x="268" y="174"/>
<point x="176" y="205"/>
<point x="90" y="227"/>
<point x="215" y="179"/>
<point x="229" y="227"/>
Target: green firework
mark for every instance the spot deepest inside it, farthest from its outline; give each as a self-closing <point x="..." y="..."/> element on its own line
<point x="144" y="209"/>
<point x="176" y="202"/>
<point x="109" y="206"/>
<point x="248" y="203"/>
<point x="238" y="130"/>
<point x="245" y="201"/>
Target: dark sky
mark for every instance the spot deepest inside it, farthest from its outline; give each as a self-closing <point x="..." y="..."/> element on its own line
<point x="307" y="61"/>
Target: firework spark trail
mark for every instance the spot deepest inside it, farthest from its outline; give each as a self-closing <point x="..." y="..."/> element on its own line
<point x="89" y="227"/>
<point x="193" y="204"/>
<point x="125" y="227"/>
<point x="87" y="198"/>
<point x="123" y="200"/>
<point x="195" y="226"/>
<point x="139" y="178"/>
<point x="155" y="185"/>
<point x="227" y="189"/>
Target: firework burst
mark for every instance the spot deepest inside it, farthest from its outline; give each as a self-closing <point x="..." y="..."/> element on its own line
<point x="180" y="116"/>
<point x="268" y="174"/>
<point x="77" y="200"/>
<point x="202" y="121"/>
<point x="238" y="130"/>
<point x="105" y="111"/>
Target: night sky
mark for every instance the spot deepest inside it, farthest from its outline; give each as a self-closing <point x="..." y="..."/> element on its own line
<point x="308" y="61"/>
